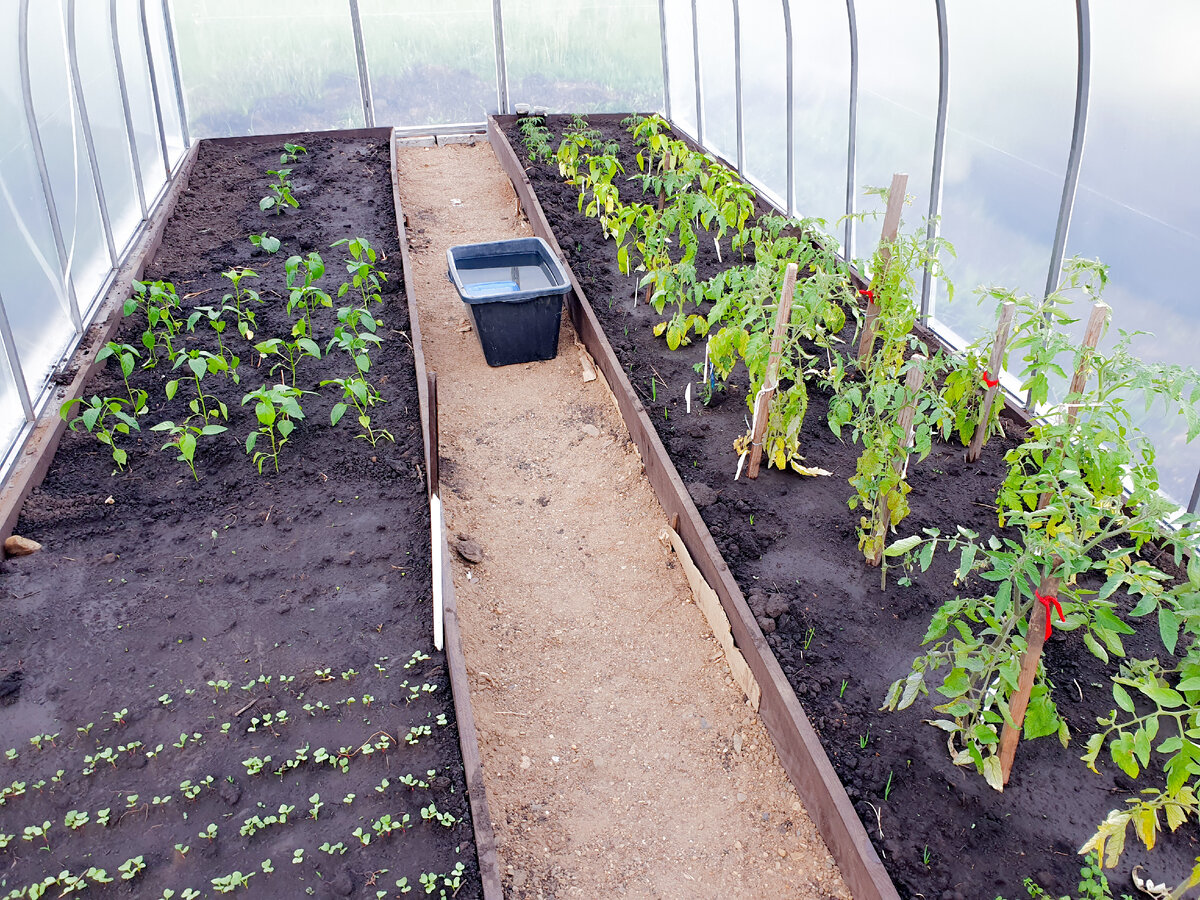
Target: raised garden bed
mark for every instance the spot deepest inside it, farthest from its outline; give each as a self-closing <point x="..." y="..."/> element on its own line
<point x="251" y="653"/>
<point x="835" y="639"/>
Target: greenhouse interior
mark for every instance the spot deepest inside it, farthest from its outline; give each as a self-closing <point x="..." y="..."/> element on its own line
<point x="496" y="414"/>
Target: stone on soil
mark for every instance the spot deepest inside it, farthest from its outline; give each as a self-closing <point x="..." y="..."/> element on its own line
<point x="15" y="545"/>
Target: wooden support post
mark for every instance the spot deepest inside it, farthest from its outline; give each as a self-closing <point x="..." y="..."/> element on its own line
<point x="883" y="516"/>
<point x="891" y="227"/>
<point x="662" y="202"/>
<point x="1091" y="337"/>
<point x="762" y="404"/>
<point x="1035" y="639"/>
<point x="434" y="474"/>
<point x="995" y="364"/>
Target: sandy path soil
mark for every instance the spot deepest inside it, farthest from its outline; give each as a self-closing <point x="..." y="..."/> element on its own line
<point x="620" y="759"/>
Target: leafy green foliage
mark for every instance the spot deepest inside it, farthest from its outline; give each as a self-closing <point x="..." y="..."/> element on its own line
<point x="365" y="277"/>
<point x="185" y="437"/>
<point x="104" y="417"/>
<point x="537" y="138"/>
<point x="126" y="357"/>
<point x="279" y="193"/>
<point x="277" y="409"/>
<point x="1081" y="503"/>
<point x="362" y="395"/>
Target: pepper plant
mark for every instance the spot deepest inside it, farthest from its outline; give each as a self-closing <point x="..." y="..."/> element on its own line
<point x="160" y="302"/>
<point x="355" y="333"/>
<point x="302" y="275"/>
<point x="277" y="409"/>
<point x="365" y="277"/>
<point x="242" y="296"/>
<point x="104" y="417"/>
<point x="279" y="192"/>
<point x="290" y="352"/>
<point x="185" y="438"/>
<point x="362" y="395"/>
<point x="125" y="355"/>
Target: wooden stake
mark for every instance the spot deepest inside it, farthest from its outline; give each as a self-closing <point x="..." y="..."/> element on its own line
<point x="662" y="202"/>
<point x="891" y="227"/>
<point x="995" y="363"/>
<point x="434" y="468"/>
<point x="912" y="384"/>
<point x="762" y="404"/>
<point x="1035" y="639"/>
<point x="1091" y="337"/>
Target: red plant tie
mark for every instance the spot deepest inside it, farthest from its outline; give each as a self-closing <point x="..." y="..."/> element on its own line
<point x="1046" y="601"/>
<point x="989" y="380"/>
<point x="868" y="293"/>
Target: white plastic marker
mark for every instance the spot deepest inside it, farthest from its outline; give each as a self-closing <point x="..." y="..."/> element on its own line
<point x="753" y="428"/>
<point x="435" y="521"/>
<point x="687" y="396"/>
<point x="707" y="364"/>
<point x="717" y="244"/>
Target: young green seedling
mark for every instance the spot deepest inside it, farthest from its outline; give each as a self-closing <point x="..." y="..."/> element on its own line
<point x="291" y="152"/>
<point x="160" y="302"/>
<point x="355" y="334"/>
<point x="265" y="242"/>
<point x="104" y="417"/>
<point x="277" y="409"/>
<point x="302" y="275"/>
<point x="184" y="439"/>
<point x="363" y="395"/>
<point x="201" y="363"/>
<point x="126" y="357"/>
<point x="364" y="276"/>
<point x="217" y="323"/>
<point x="280" y="192"/>
<point x="290" y="352"/>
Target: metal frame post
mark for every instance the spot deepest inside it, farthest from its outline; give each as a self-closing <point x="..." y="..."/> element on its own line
<point x="737" y="88"/>
<point x="502" y="98"/>
<point x="162" y="131"/>
<point x="696" y="71"/>
<point x="1194" y="503"/>
<point x="39" y="155"/>
<point x="666" y="67"/>
<point x="14" y="363"/>
<point x="89" y="143"/>
<point x="129" y="132"/>
<point x="934" y="225"/>
<point x="791" y="112"/>
<point x="1083" y="79"/>
<point x="169" y="28"/>
<point x="852" y="131"/>
<point x="364" y="76"/>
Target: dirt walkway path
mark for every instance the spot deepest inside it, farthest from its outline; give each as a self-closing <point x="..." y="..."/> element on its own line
<point x="620" y="760"/>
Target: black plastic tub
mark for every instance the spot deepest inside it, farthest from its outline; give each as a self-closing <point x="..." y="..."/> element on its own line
<point x="514" y="291"/>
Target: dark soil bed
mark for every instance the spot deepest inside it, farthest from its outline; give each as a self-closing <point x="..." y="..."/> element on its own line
<point x="164" y="611"/>
<point x="840" y="638"/>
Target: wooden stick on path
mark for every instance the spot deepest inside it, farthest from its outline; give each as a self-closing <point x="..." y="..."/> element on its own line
<point x="1091" y="337"/>
<point x="891" y="227"/>
<point x="995" y="363"/>
<point x="912" y="384"/>
<point x="1035" y="639"/>
<point x="762" y="404"/>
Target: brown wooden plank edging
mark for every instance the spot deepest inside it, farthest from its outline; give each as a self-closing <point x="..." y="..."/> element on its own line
<point x="35" y="457"/>
<point x="799" y="749"/>
<point x="468" y="737"/>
